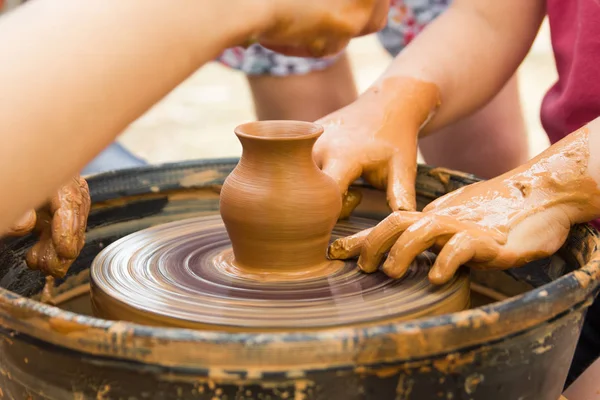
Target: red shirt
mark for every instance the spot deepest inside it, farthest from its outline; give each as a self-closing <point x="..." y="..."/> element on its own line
<point x="574" y="100"/>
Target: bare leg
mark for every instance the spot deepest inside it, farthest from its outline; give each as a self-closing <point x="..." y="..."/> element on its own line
<point x="304" y="97"/>
<point x="586" y="387"/>
<point x="488" y="143"/>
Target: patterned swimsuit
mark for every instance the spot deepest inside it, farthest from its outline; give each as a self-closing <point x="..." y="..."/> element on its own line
<point x="406" y="19"/>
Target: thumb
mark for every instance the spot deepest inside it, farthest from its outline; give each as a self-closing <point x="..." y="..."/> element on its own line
<point x="378" y="18"/>
<point x="343" y="172"/>
<point x="24" y="225"/>
<point x="401" y="184"/>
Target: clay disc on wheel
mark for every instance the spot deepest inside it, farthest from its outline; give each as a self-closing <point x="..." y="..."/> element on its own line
<point x="176" y="274"/>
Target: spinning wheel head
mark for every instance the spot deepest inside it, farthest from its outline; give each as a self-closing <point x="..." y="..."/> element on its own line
<point x="182" y="274"/>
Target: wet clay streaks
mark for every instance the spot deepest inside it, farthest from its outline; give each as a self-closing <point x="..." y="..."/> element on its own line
<point x="158" y="276"/>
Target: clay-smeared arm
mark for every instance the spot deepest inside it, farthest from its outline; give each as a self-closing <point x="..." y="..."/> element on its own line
<point x="469" y="53"/>
<point x="458" y="63"/>
<point x="75" y="73"/>
<point x="505" y="222"/>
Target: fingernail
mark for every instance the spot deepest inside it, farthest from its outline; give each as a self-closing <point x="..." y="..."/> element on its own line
<point x="360" y="263"/>
<point x="390" y="268"/>
<point x="436" y="278"/>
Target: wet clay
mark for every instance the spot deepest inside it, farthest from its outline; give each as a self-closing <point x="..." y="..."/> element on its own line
<point x="328" y="32"/>
<point x="61" y="225"/>
<point x="376" y="137"/>
<point x="518" y="217"/>
<point x="178" y="274"/>
<point x="278" y="207"/>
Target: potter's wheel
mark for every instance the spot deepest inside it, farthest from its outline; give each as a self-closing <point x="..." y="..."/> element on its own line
<point x="177" y="274"/>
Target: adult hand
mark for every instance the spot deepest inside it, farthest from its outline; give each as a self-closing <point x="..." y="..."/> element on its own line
<point x="61" y="225"/>
<point x="315" y="28"/>
<point x="506" y="222"/>
<point x="376" y="138"/>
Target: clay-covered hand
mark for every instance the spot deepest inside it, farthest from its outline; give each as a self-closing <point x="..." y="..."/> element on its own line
<point x="61" y="225"/>
<point x="376" y="138"/>
<point x="506" y="222"/>
<point x="318" y="28"/>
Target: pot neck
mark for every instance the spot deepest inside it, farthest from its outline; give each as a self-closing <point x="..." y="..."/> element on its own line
<point x="280" y="152"/>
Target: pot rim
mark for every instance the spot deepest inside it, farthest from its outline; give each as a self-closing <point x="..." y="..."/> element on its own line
<point x="342" y="347"/>
<point x="263" y="130"/>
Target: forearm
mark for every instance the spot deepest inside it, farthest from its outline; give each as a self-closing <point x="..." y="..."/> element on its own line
<point x="82" y="71"/>
<point x="467" y="54"/>
<point x="566" y="175"/>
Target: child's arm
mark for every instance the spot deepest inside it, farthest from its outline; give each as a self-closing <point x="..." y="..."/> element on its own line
<point x="515" y="218"/>
<point x="75" y="73"/>
<point x="468" y="53"/>
<point x="460" y="61"/>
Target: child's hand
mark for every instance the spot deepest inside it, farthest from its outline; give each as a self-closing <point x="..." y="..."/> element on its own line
<point x="506" y="222"/>
<point x="376" y="138"/>
<point x="474" y="225"/>
<point x="61" y="225"/>
<point x="317" y="28"/>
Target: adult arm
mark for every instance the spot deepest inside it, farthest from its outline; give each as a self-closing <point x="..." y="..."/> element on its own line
<point x="75" y="74"/>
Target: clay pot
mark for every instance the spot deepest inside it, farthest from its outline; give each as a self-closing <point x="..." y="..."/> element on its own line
<point x="278" y="207"/>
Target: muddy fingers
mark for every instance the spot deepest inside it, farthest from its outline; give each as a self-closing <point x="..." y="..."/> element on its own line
<point x="348" y="247"/>
<point x="401" y="183"/>
<point x="462" y="248"/>
<point x="416" y="239"/>
<point x="383" y="236"/>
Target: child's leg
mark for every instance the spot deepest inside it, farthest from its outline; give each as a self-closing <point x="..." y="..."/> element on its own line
<point x="488" y="143"/>
<point x="304" y="97"/>
<point x="586" y="354"/>
<point x="291" y="87"/>
<point x="587" y="386"/>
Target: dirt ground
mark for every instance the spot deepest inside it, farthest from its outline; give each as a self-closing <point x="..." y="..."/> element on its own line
<point x="197" y="119"/>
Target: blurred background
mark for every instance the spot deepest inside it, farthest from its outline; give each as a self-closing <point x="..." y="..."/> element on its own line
<point x="197" y="119"/>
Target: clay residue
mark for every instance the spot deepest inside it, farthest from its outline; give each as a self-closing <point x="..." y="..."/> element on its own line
<point x="584" y="276"/>
<point x="472" y="381"/>
<point x="404" y="387"/>
<point x="444" y="174"/>
<point x="451" y="362"/>
<point x="476" y="318"/>
<point x="200" y="178"/>
<point x="47" y="296"/>
<point x="66" y="326"/>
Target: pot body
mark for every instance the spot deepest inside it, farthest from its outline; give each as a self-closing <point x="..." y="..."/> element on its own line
<point x="278" y="207"/>
<point x="520" y="348"/>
